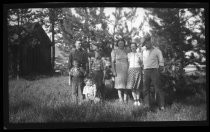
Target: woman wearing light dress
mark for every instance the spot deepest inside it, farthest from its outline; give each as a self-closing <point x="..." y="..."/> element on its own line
<point x="120" y="69"/>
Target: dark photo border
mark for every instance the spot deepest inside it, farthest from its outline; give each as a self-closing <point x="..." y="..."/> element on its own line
<point x="71" y="125"/>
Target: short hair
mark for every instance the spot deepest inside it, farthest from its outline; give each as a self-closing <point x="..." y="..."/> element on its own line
<point x="133" y="43"/>
<point x="89" y="77"/>
<point x="76" y="60"/>
<point x="78" y="40"/>
<point x="121" y="40"/>
<point x="148" y="38"/>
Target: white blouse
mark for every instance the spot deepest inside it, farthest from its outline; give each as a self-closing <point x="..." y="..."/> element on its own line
<point x="89" y="90"/>
<point x="134" y="59"/>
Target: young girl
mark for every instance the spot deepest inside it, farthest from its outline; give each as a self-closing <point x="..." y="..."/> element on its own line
<point x="90" y="90"/>
<point x="76" y="79"/>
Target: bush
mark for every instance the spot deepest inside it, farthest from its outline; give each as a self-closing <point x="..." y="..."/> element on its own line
<point x="62" y="69"/>
<point x="177" y="84"/>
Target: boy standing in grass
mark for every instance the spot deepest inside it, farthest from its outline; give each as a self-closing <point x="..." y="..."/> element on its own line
<point x="76" y="76"/>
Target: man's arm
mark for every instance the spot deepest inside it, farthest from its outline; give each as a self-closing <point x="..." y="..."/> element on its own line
<point x="94" y="91"/>
<point x="70" y="74"/>
<point x="160" y="60"/>
<point x="113" y="63"/>
<point x="70" y="61"/>
<point x="86" y="63"/>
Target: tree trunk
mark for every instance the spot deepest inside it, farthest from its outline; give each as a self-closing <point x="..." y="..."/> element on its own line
<point x="180" y="41"/>
<point x="18" y="49"/>
<point x="53" y="39"/>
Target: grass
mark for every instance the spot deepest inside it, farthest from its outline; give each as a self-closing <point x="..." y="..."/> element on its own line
<point x="49" y="100"/>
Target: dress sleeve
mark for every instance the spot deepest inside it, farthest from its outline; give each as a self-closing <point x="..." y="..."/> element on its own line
<point x="113" y="56"/>
<point x="85" y="56"/>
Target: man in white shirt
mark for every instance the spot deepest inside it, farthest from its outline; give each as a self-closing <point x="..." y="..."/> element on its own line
<point x="152" y="63"/>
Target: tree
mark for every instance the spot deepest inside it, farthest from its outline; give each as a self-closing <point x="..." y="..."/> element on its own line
<point x="49" y="18"/>
<point x="124" y="20"/>
<point x="175" y="36"/>
<point x="87" y="24"/>
<point x="16" y="17"/>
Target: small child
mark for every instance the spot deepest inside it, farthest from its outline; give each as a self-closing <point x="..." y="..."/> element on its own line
<point x="90" y="90"/>
<point x="76" y="79"/>
<point x="108" y="79"/>
<point x="108" y="75"/>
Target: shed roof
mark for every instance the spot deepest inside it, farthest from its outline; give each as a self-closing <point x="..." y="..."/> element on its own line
<point x="32" y="28"/>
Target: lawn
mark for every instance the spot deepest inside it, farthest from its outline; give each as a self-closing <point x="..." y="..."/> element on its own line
<point x="49" y="100"/>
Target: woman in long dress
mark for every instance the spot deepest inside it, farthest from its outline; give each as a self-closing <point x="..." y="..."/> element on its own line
<point x="120" y="69"/>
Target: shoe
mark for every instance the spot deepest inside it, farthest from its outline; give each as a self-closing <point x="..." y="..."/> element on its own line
<point x="162" y="108"/>
<point x="135" y="103"/>
<point x="120" y="100"/>
<point x="138" y="103"/>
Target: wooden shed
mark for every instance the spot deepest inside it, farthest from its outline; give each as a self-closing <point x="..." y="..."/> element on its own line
<point x="34" y="50"/>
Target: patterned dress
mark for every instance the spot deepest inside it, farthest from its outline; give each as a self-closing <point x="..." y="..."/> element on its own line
<point x="134" y="71"/>
<point x="119" y="57"/>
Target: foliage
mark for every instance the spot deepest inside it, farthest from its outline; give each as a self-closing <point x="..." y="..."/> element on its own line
<point x="175" y="37"/>
<point x="89" y="25"/>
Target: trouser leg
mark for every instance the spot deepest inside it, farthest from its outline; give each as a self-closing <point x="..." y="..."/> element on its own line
<point x="79" y="92"/>
<point x="74" y="91"/>
<point x="146" y="87"/>
<point x="157" y="85"/>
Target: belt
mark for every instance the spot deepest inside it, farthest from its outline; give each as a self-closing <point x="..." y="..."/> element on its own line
<point x="97" y="70"/>
<point x="151" y="69"/>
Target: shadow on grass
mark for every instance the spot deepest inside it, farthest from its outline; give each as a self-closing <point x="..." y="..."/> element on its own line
<point x="21" y="105"/>
<point x="139" y="112"/>
<point x="87" y="113"/>
<point x="73" y="113"/>
<point x="110" y="94"/>
<point x="195" y="100"/>
<point x="33" y="76"/>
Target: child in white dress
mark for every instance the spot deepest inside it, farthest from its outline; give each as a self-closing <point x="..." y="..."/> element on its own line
<point x="90" y="91"/>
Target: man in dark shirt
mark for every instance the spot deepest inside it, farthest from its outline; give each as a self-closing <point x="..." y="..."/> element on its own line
<point x="82" y="57"/>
